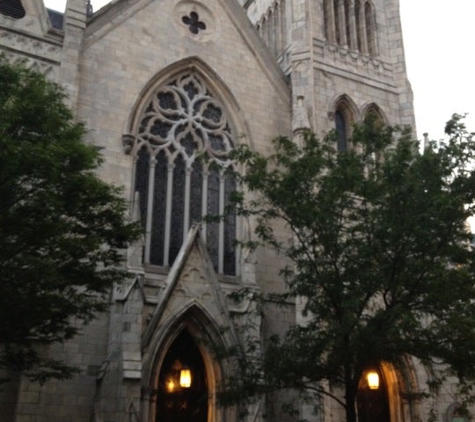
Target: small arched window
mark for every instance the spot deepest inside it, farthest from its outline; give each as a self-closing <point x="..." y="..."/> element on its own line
<point x="375" y="113"/>
<point x="341" y="130"/>
<point x="344" y="119"/>
<point x="181" y="173"/>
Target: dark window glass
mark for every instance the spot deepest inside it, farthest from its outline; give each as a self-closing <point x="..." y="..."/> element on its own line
<point x="212" y="238"/>
<point x="159" y="210"/>
<point x="196" y="192"/>
<point x="341" y="130"/>
<point x="178" y="206"/>
<point x="229" y="230"/>
<point x="141" y="181"/>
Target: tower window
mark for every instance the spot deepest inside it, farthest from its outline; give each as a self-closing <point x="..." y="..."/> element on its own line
<point x="341" y="130"/>
<point x="181" y="172"/>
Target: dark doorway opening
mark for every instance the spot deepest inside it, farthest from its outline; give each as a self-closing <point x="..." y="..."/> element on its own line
<point x="182" y="399"/>
<point x="373" y="403"/>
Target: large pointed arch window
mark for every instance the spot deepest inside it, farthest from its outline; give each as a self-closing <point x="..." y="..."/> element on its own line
<point x="182" y="172"/>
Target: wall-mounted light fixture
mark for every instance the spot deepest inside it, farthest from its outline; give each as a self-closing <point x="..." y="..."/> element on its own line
<point x="373" y="380"/>
<point x="170" y="385"/>
<point x="179" y="377"/>
<point x="185" y="378"/>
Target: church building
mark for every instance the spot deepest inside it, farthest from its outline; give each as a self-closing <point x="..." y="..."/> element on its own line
<point x="160" y="84"/>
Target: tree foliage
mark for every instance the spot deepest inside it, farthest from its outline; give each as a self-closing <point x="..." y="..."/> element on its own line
<point x="380" y="256"/>
<point x="62" y="229"/>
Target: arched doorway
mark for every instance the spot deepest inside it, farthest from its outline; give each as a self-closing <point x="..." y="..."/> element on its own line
<point x="372" y="398"/>
<point x="182" y="399"/>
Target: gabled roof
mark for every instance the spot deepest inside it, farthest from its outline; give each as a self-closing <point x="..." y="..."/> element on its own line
<point x="114" y="13"/>
<point x="192" y="242"/>
<point x="56" y="18"/>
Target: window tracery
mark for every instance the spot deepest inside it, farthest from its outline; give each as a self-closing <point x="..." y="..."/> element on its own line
<point x="182" y="155"/>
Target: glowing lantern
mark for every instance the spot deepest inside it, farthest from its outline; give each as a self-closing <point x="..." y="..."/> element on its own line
<point x="170" y="386"/>
<point x="185" y="378"/>
<point x="373" y="380"/>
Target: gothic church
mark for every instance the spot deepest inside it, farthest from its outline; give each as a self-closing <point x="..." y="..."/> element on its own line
<point x="159" y="83"/>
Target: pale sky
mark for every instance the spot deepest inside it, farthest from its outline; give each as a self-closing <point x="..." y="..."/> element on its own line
<point x="439" y="40"/>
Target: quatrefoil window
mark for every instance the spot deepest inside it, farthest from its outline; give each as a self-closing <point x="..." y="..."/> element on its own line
<point x="194" y="23"/>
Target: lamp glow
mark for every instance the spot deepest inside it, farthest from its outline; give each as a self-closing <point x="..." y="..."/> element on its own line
<point x="185" y="378"/>
<point x="373" y="380"/>
<point x="170" y="386"/>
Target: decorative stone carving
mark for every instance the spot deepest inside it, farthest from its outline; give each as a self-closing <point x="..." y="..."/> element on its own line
<point x="37" y="49"/>
<point x="36" y="64"/>
<point x="128" y="141"/>
<point x="195" y="19"/>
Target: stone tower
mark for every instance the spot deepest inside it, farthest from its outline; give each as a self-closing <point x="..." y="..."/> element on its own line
<point x="343" y="58"/>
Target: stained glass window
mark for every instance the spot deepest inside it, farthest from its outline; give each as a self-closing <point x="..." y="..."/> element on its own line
<point x="182" y="164"/>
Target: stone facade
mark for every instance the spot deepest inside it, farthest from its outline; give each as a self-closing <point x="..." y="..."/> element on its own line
<point x="270" y="67"/>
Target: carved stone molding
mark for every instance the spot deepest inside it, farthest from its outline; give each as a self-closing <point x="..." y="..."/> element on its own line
<point x="357" y="58"/>
<point x="128" y="141"/>
<point x="30" y="46"/>
<point x="38" y="65"/>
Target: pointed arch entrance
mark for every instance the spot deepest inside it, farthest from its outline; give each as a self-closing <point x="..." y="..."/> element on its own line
<point x="188" y="340"/>
<point x="182" y="386"/>
<point x="372" y="398"/>
<point x="386" y="403"/>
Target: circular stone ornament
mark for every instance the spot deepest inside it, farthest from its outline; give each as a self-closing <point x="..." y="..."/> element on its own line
<point x="196" y="20"/>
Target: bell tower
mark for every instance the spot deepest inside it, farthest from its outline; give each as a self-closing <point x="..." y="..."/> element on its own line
<point x="343" y="58"/>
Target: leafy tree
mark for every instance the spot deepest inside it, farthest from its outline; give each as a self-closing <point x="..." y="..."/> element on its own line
<point x="380" y="256"/>
<point x="62" y="229"/>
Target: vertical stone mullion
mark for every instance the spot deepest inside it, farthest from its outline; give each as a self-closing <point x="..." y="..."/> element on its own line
<point x="168" y="215"/>
<point x="269" y="32"/>
<point x="277" y="33"/>
<point x="222" y="192"/>
<point x="353" y="29"/>
<point x="148" y="224"/>
<point x="282" y="26"/>
<point x="204" y="203"/>
<point x="186" y="206"/>
<point x="370" y="23"/>
<point x="342" y="23"/>
<point x="331" y="22"/>
<point x="362" y="29"/>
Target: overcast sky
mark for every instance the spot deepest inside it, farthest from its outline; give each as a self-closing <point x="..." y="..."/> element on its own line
<point x="439" y="40"/>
